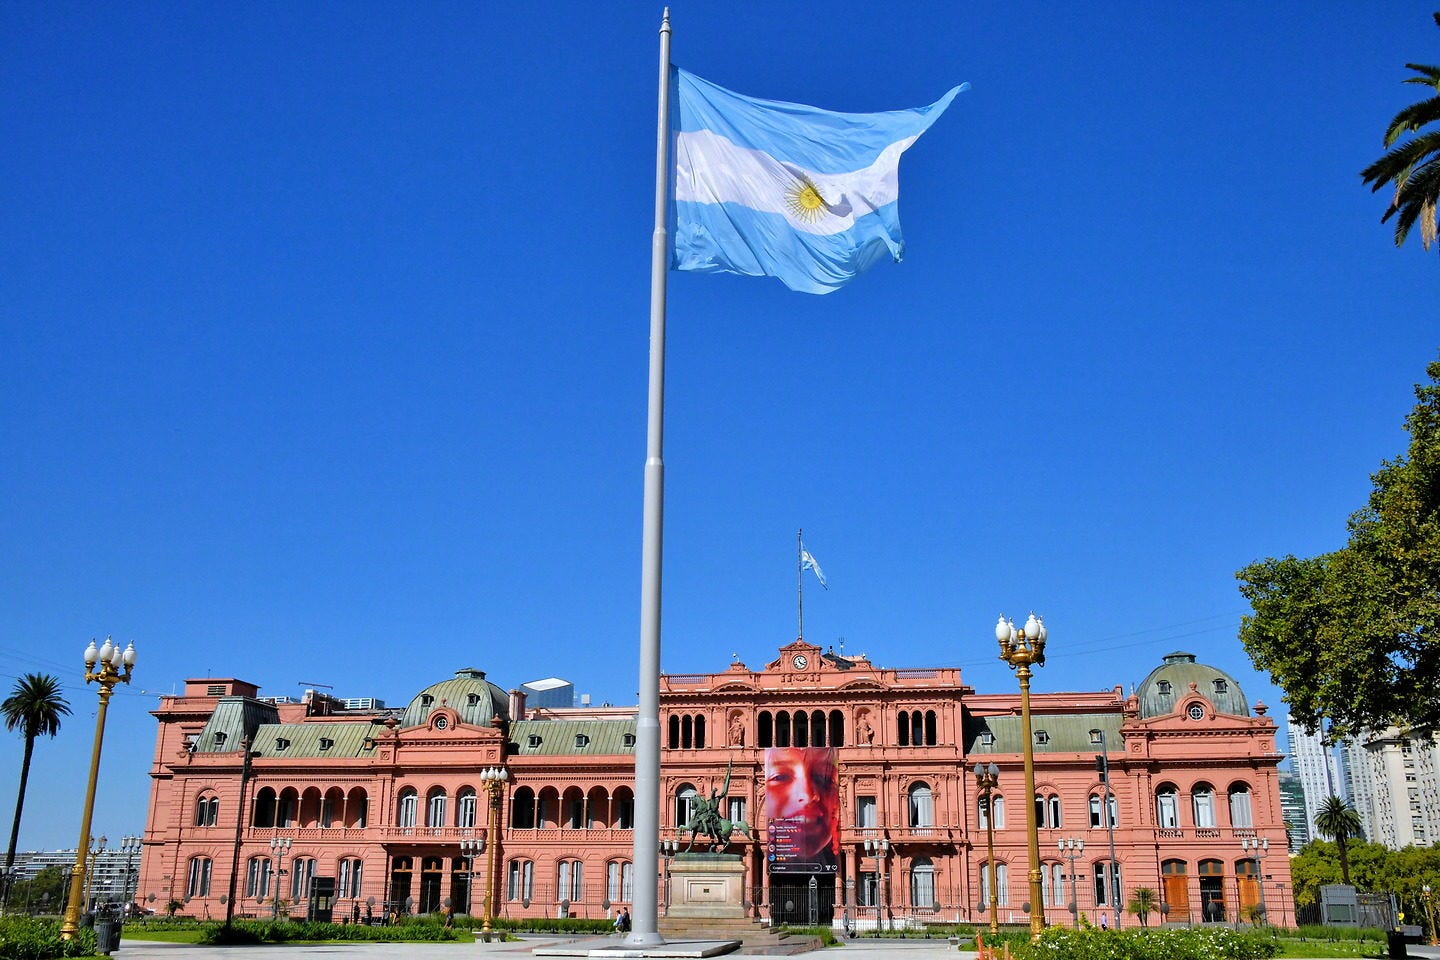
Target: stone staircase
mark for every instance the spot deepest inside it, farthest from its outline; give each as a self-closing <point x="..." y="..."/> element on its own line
<point x="754" y="938"/>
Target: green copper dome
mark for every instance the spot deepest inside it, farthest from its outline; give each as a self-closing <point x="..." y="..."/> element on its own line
<point x="468" y="693"/>
<point x="1170" y="682"/>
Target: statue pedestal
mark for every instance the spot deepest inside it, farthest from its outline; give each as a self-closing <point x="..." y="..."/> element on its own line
<point x="708" y="886"/>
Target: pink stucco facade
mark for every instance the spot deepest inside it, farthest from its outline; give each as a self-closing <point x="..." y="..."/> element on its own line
<point x="388" y="803"/>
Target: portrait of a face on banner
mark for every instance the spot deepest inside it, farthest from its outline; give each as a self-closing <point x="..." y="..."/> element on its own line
<point x="802" y="805"/>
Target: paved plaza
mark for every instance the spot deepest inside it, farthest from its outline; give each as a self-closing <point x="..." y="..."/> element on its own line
<point x="148" y="950"/>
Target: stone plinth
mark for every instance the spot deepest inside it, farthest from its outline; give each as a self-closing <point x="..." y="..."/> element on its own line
<point x="707" y="886"/>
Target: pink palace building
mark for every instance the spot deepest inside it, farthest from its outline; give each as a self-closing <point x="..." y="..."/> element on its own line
<point x="368" y="812"/>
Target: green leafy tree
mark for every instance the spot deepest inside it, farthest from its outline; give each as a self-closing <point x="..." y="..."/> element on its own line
<point x="1413" y="167"/>
<point x="1351" y="635"/>
<point x="1143" y="902"/>
<point x="1339" y="820"/>
<point x="34" y="707"/>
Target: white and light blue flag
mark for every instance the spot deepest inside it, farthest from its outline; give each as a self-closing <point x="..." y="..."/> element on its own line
<point x="807" y="562"/>
<point x="771" y="189"/>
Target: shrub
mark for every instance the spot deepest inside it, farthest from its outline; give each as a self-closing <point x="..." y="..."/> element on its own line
<point x="283" y="931"/>
<point x="27" y="938"/>
<point x="1191" y="943"/>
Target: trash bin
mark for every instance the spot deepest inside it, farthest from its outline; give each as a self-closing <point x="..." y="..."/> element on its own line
<point x="107" y="936"/>
<point x="1395" y="944"/>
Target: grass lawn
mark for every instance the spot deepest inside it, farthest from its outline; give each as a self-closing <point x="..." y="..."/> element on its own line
<point x="1324" y="949"/>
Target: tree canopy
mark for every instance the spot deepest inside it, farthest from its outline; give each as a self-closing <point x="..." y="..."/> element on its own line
<point x="1353" y="636"/>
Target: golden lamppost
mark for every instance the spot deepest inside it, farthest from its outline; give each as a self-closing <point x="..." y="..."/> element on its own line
<point x="1022" y="649"/>
<point x="103" y="666"/>
<point x="1430" y="914"/>
<point x="493" y="780"/>
<point x="987" y="778"/>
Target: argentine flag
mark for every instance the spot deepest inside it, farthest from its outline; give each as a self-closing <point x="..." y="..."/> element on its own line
<point x="771" y="189"/>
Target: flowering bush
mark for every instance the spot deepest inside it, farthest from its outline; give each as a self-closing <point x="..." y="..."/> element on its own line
<point x="1188" y="943"/>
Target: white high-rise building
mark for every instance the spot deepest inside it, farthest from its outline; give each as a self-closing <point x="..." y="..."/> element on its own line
<point x="1313" y="762"/>
<point x="1396" y="774"/>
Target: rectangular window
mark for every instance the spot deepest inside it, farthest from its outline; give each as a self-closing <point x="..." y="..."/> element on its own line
<point x="866" y="812"/>
<point x="619" y="882"/>
<point x="520" y="883"/>
<point x="1102" y="889"/>
<point x="737" y="810"/>
<point x="867" y="889"/>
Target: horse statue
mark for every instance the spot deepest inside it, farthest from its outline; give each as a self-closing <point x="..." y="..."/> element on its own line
<point x="706" y="818"/>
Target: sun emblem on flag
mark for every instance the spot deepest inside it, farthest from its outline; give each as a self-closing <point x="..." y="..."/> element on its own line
<point x="804" y="200"/>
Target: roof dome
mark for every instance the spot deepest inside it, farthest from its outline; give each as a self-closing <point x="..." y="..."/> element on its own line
<point x="1170" y="683"/>
<point x="468" y="693"/>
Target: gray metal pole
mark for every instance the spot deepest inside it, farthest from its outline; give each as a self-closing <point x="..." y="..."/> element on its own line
<point x="645" y="929"/>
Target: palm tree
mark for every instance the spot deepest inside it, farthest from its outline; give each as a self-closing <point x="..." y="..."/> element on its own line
<point x="34" y="707"/>
<point x="1142" y="903"/>
<point x="1339" y="820"/>
<point x="1412" y="168"/>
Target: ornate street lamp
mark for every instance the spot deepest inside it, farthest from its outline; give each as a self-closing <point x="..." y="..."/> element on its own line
<point x="1022" y="649"/>
<point x="131" y="847"/>
<point x="987" y="778"/>
<point x="493" y="779"/>
<point x="668" y="849"/>
<point x="1258" y="847"/>
<point x="1430" y="914"/>
<point x="470" y="848"/>
<point x="1070" y="848"/>
<point x="97" y="847"/>
<point x="114" y="666"/>
<point x="880" y="850"/>
<point x="279" y="845"/>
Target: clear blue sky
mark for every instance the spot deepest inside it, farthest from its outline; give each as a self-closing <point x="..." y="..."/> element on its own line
<point x="325" y="327"/>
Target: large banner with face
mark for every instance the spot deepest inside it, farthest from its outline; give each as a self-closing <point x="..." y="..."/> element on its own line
<point x="802" y="806"/>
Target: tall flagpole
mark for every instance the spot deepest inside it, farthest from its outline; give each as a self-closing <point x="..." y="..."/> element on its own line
<point x="799" y="585"/>
<point x="646" y="857"/>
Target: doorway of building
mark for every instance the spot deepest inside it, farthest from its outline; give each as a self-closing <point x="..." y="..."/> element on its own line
<point x="432" y="871"/>
<point x="802" y="899"/>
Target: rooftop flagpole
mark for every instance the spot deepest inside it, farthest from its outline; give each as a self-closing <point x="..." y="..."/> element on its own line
<point x="645" y="930"/>
<point x="799" y="585"/>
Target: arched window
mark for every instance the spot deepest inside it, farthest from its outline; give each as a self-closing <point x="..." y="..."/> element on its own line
<point x="1097" y="819"/>
<point x="357" y="808"/>
<point x="351" y="873"/>
<point x="1202" y="801"/>
<point x="1240" y="815"/>
<point x="198" y="884"/>
<point x="1052" y="883"/>
<point x="406" y="809"/>
<point x="624" y="809"/>
<point x="465" y="807"/>
<point x="674" y="728"/>
<point x="997" y="802"/>
<point x="570" y="880"/>
<point x="207" y="811"/>
<point x="435" y="807"/>
<point x="765" y="730"/>
<point x="922" y="806"/>
<point x="817" y="728"/>
<point x="782" y="729"/>
<point x="1167" y="810"/>
<point x="1047" y="811"/>
<point x="931" y="732"/>
<point x="574" y="802"/>
<point x="301" y="870"/>
<point x="800" y="729"/>
<point x="264" y="810"/>
<point x="917" y="728"/>
<point x="520" y="881"/>
<point x="699" y="732"/>
<point x="837" y="728"/>
<point x="619" y="881"/>
<point x="902" y="728"/>
<point x="687" y="732"/>
<point x="257" y="878"/>
<point x="287" y="807"/>
<point x="1103" y="889"/>
<point x="684" y="804"/>
<point x="1002" y="885"/>
<point x="522" y="809"/>
<point x="922" y="883"/>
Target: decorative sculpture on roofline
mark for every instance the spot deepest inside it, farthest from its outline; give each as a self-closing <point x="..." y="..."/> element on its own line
<point x="706" y="818"/>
